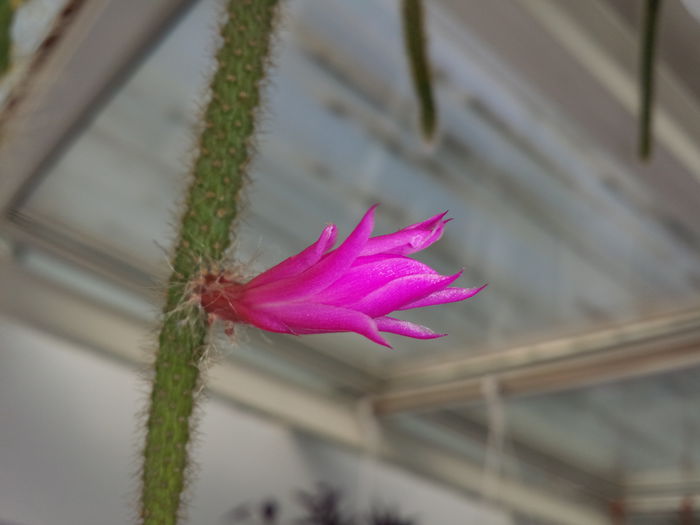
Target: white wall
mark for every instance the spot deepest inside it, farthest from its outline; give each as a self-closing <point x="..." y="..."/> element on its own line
<point x="68" y="438"/>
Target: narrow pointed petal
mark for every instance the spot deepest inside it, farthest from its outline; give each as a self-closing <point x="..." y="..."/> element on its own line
<point x="381" y="259"/>
<point x="310" y="318"/>
<point x="406" y="328"/>
<point x="262" y="319"/>
<point x="400" y="292"/>
<point x="226" y="303"/>
<point x="448" y="295"/>
<point x="408" y="240"/>
<point x="296" y="264"/>
<point x="368" y="274"/>
<point x="329" y="269"/>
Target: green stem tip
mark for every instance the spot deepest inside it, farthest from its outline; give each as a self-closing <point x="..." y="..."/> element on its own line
<point x="650" y="24"/>
<point x="416" y="44"/>
<point x="7" y="12"/>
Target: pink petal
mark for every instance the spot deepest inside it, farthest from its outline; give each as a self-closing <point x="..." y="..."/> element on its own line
<point x="320" y="275"/>
<point x="400" y="292"/>
<point x="408" y="240"/>
<point x="310" y="318"/>
<point x="368" y="274"/>
<point x="448" y="295"/>
<point x="262" y="319"/>
<point x="298" y="263"/>
<point x="397" y="326"/>
<point x="381" y="257"/>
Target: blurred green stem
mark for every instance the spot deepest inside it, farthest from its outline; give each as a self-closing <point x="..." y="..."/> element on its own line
<point x="7" y="11"/>
<point x="416" y="44"/>
<point x="205" y="233"/>
<point x="646" y="76"/>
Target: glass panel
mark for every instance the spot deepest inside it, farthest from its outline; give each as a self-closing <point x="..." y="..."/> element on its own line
<point x="639" y="434"/>
<point x="537" y="215"/>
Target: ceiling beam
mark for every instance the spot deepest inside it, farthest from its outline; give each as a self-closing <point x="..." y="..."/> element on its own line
<point x="668" y="507"/>
<point x="663" y="482"/>
<point x="525" y="455"/>
<point x="649" y="347"/>
<point x="645" y="334"/>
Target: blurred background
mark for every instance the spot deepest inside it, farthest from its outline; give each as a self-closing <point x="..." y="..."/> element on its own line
<point x="565" y="393"/>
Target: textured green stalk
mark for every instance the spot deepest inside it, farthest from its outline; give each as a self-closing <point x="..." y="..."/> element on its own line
<point x="646" y="76"/>
<point x="205" y="233"/>
<point x="415" y="40"/>
<point x="7" y="12"/>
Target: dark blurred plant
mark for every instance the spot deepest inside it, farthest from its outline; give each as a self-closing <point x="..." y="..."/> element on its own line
<point x="386" y="516"/>
<point x="322" y="506"/>
<point x="265" y="513"/>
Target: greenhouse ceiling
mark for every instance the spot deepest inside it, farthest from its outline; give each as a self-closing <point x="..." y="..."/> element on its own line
<point x="576" y="368"/>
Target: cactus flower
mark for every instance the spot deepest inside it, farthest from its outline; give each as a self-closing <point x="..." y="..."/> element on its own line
<point x="352" y="288"/>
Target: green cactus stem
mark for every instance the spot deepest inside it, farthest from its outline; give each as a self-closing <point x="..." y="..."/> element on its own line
<point x="652" y="9"/>
<point x="225" y="149"/>
<point x="7" y="12"/>
<point x="415" y="41"/>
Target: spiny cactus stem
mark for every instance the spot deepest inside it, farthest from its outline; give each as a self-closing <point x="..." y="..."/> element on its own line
<point x="205" y="232"/>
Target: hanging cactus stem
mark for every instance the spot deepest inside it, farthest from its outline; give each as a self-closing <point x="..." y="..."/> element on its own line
<point x="219" y="172"/>
<point x="7" y="11"/>
<point x="652" y="10"/>
<point x="416" y="44"/>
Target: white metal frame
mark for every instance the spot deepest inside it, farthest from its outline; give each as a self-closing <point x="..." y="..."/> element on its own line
<point x="32" y="299"/>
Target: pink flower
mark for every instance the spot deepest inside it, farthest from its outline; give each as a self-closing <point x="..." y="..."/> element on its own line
<point x="350" y="289"/>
